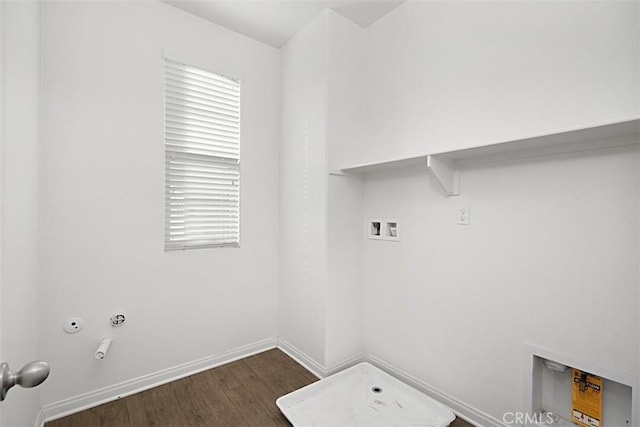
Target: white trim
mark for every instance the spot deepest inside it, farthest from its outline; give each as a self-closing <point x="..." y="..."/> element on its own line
<point x="347" y="363"/>
<point x="40" y="418"/>
<point x="312" y="365"/>
<point x="88" y="400"/>
<point x="302" y="358"/>
<point x="461" y="409"/>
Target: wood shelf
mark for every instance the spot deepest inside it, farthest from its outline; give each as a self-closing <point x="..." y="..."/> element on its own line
<point x="445" y="165"/>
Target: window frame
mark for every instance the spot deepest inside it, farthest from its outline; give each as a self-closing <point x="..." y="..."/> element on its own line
<point x="225" y="72"/>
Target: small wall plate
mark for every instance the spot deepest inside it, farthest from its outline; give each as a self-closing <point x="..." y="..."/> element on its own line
<point x="117" y="319"/>
<point x="73" y="325"/>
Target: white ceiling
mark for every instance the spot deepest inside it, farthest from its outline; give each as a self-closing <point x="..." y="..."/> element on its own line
<point x="276" y="21"/>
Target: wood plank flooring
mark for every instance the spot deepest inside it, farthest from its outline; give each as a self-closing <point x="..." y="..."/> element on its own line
<point x="241" y="393"/>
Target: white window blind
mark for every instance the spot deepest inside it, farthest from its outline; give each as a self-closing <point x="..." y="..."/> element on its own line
<point x="202" y="158"/>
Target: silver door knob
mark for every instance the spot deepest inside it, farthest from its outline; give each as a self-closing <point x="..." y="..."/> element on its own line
<point x="31" y="375"/>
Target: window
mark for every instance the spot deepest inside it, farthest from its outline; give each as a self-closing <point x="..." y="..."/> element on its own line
<point x="202" y="158"/>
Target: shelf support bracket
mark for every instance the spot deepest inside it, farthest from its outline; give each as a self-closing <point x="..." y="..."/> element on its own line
<point x="447" y="176"/>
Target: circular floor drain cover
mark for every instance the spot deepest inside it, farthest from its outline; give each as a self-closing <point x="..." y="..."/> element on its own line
<point x="376" y="389"/>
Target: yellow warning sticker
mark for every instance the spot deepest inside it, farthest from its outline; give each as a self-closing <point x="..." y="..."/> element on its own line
<point x="586" y="397"/>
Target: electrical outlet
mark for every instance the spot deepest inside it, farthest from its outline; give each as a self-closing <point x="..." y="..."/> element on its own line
<point x="463" y="216"/>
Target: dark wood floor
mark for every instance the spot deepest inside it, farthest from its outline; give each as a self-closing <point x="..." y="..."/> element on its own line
<point x="241" y="393"/>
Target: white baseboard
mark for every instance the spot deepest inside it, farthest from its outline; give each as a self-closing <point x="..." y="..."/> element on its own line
<point x="346" y="364"/>
<point x="314" y="366"/>
<point x="462" y="410"/>
<point x="88" y="400"/>
<point x="40" y="418"/>
<point x="302" y="358"/>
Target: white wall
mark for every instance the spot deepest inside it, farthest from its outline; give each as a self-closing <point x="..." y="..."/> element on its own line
<point x="303" y="191"/>
<point x="437" y="75"/>
<point x="549" y="237"/>
<point x="345" y="89"/>
<point x="20" y="145"/>
<point x="443" y="75"/>
<point x="344" y="202"/>
<point x="344" y="289"/>
<point x="321" y="246"/>
<point x="102" y="204"/>
<point x="550" y="257"/>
